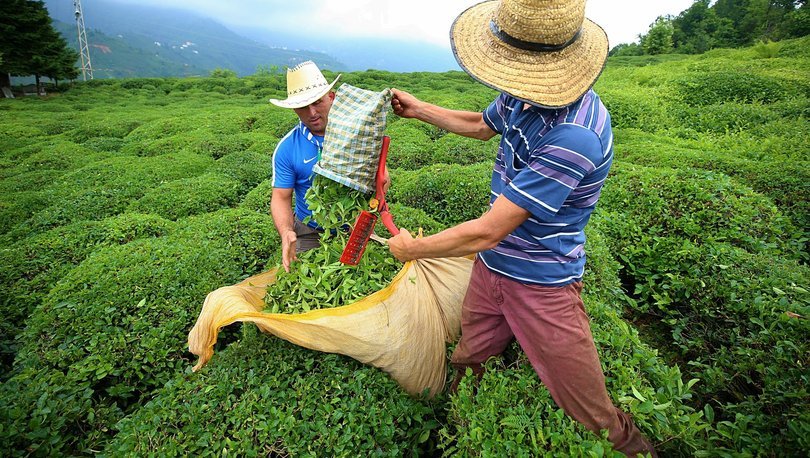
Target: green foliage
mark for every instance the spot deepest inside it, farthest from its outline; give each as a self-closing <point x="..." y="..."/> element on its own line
<point x="710" y="263"/>
<point x="318" y="279"/>
<point x="264" y="396"/>
<point x="450" y="194"/>
<point x="709" y="244"/>
<point x="721" y="86"/>
<point x="189" y="196"/>
<point x="117" y="324"/>
<point x="222" y="73"/>
<point x="658" y="39"/>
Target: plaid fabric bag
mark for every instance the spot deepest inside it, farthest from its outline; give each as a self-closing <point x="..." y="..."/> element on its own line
<point x="353" y="139"/>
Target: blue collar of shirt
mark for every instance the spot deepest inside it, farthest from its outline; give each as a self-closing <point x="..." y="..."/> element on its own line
<point x="312" y="138"/>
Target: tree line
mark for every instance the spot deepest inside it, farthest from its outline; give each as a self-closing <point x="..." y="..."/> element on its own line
<point x="29" y="45"/>
<point x="711" y="24"/>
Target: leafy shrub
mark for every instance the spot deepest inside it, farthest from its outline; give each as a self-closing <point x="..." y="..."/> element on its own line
<point x="450" y="194"/>
<point x="513" y="411"/>
<point x="189" y="196"/>
<point x="106" y="188"/>
<point x="29" y="268"/>
<point x="729" y="117"/>
<point x="303" y="403"/>
<point x="117" y="324"/>
<point x="700" y="89"/>
<point x="258" y="199"/>
<point x="706" y="261"/>
<point x="104" y="144"/>
<point x="455" y="149"/>
<point x="18" y="207"/>
<point x="410" y="147"/>
<point x="248" y="168"/>
<point x="197" y="141"/>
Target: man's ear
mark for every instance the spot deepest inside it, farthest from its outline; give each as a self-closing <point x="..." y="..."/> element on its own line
<point x="332" y="95"/>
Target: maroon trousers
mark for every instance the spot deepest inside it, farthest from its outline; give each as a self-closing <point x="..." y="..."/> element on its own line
<point x="552" y="328"/>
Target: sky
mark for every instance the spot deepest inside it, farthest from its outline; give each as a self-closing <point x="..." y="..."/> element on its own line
<point x="411" y="20"/>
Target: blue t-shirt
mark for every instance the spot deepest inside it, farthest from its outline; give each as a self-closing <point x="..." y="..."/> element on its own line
<point x="293" y="159"/>
<point x="553" y="163"/>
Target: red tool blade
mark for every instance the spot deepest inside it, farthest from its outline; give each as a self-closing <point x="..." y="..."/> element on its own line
<point x="358" y="239"/>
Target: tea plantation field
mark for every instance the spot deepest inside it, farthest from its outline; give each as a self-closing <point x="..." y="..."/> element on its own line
<point x="124" y="202"/>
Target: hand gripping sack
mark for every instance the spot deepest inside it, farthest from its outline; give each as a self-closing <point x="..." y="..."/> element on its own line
<point x="401" y="329"/>
<point x="353" y="139"/>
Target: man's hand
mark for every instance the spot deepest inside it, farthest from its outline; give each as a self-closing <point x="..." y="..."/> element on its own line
<point x="288" y="240"/>
<point x="398" y="245"/>
<point x="404" y="104"/>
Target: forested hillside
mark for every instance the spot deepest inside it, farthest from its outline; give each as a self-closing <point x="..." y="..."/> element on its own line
<point x="124" y="202"/>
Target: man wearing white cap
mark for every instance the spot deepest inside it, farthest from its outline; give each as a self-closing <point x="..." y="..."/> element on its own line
<point x="555" y="152"/>
<point x="311" y="97"/>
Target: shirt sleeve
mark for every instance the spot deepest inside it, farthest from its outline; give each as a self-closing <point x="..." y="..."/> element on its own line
<point x="567" y="155"/>
<point x="283" y="170"/>
<point x="494" y="115"/>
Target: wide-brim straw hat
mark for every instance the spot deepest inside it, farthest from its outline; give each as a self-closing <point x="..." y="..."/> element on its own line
<point x="544" y="52"/>
<point x="305" y="84"/>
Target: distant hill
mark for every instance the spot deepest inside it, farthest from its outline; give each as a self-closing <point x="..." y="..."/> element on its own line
<point x="128" y="40"/>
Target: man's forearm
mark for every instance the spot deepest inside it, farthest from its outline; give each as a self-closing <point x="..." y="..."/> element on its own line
<point x="282" y="217"/>
<point x="465" y="123"/>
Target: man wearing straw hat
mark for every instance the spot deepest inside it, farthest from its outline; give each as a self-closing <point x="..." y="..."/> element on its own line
<point x="555" y="152"/>
<point x="311" y="97"/>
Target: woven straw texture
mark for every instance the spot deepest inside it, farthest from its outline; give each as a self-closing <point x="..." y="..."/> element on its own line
<point x="305" y="84"/>
<point x="548" y="79"/>
<point x="354" y="133"/>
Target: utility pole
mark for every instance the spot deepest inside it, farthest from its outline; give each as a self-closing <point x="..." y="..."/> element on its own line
<point x="84" y="50"/>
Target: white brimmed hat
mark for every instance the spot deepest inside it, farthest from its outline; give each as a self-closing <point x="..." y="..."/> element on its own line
<point x="544" y="52"/>
<point x="305" y="84"/>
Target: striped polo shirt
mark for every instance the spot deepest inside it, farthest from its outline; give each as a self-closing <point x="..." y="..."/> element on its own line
<point x="553" y="163"/>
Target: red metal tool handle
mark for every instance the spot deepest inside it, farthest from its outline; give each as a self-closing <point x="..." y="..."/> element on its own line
<point x="382" y="206"/>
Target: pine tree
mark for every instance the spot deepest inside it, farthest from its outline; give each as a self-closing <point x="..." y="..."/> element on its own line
<point x="29" y="43"/>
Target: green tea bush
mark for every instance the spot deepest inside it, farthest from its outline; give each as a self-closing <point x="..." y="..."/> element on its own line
<point x="199" y="141"/>
<point x="18" y="207"/>
<point x="262" y="396"/>
<point x="29" y="268"/>
<point x="411" y="219"/>
<point x="695" y="205"/>
<point x="410" y="148"/>
<point x="726" y="118"/>
<point x="455" y="149"/>
<point x="700" y="89"/>
<point x="512" y="412"/>
<point x="709" y="263"/>
<point x="273" y="120"/>
<point x="778" y="173"/>
<point x="59" y="155"/>
<point x="450" y="194"/>
<point x="106" y="188"/>
<point x="117" y="324"/>
<point x="104" y="144"/>
<point x="248" y="168"/>
<point x="33" y="181"/>
<point x="189" y="196"/>
<point x="638" y="109"/>
<point x="258" y="198"/>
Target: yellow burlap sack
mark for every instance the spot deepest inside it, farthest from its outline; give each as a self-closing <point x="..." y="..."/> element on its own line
<point x="401" y="329"/>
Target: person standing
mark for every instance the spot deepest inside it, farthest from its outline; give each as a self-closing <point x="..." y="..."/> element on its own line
<point x="310" y="96"/>
<point x="555" y="151"/>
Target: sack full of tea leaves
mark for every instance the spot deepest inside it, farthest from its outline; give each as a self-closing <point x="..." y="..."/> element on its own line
<point x="401" y="329"/>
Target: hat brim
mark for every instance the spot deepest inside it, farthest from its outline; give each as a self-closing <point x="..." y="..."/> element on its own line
<point x="305" y="98"/>
<point x="547" y="79"/>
